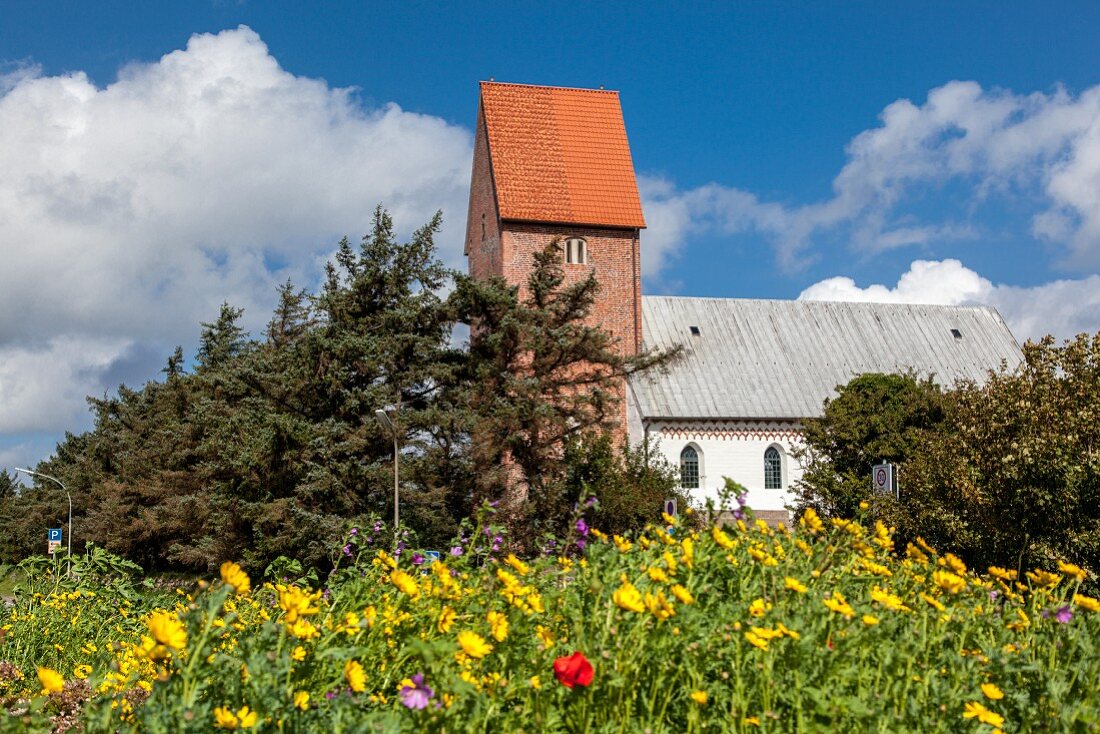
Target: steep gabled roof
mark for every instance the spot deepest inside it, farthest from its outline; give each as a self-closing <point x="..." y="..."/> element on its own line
<point x="560" y="155"/>
<point x="781" y="359"/>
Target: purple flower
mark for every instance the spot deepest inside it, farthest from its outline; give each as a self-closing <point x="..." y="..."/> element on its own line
<point x="582" y="526"/>
<point x="456" y="551"/>
<point x="1064" y="614"/>
<point x="993" y="595"/>
<point x="400" y="546"/>
<point x="347" y="550"/>
<point x="330" y="695"/>
<point x="417" y="695"/>
<point x="738" y="514"/>
<point x="354" y="532"/>
<point x="378" y="526"/>
<point x="417" y="559"/>
<point x="580" y="543"/>
<point x="743" y="498"/>
<point x="591" y="501"/>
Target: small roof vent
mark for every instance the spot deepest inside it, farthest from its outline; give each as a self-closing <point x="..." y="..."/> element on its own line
<point x="694" y="330"/>
<point x="956" y="333"/>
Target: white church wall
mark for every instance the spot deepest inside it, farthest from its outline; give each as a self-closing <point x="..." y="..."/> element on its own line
<point x="733" y="449"/>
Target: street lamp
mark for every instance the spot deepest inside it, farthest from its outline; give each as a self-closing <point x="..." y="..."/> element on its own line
<point x="384" y="418"/>
<point x="58" y="482"/>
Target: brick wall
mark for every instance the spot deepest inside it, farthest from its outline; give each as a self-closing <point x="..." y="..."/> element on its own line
<point x="482" y="220"/>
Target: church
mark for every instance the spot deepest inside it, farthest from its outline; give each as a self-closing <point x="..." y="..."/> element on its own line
<point x="555" y="162"/>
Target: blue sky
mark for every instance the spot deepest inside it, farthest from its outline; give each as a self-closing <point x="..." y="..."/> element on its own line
<point x="945" y="152"/>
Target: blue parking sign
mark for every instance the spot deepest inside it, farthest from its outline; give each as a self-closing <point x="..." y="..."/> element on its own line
<point x="55" y="534"/>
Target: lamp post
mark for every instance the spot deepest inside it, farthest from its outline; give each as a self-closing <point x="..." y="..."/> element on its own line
<point x="384" y="418"/>
<point x="66" y="490"/>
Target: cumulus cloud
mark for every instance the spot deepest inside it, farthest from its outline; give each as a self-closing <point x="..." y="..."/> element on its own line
<point x="1063" y="308"/>
<point x="129" y="212"/>
<point x="1039" y="151"/>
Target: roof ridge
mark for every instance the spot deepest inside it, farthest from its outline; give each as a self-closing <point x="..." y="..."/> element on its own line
<point x="548" y="86"/>
<point x="816" y="301"/>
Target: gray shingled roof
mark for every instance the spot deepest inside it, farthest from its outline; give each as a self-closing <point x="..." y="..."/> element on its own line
<point x="781" y="359"/>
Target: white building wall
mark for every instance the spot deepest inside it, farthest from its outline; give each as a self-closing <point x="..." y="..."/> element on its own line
<point x="733" y="449"/>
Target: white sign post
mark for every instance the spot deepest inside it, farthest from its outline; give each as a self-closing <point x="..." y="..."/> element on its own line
<point x="884" y="479"/>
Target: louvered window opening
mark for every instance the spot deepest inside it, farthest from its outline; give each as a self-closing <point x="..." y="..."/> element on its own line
<point x="576" y="251"/>
<point x="773" y="469"/>
<point x="689" y="468"/>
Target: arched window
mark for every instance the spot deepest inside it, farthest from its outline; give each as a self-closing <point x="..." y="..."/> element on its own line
<point x="773" y="469"/>
<point x="576" y="251"/>
<point x="689" y="468"/>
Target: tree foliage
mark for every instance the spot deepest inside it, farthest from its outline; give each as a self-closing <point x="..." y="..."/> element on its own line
<point x="1008" y="473"/>
<point x="269" y="445"/>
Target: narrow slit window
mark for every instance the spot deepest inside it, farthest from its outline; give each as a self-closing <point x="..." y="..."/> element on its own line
<point x="576" y="251"/>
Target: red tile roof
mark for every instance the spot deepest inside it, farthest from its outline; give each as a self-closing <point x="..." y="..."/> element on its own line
<point x="560" y="155"/>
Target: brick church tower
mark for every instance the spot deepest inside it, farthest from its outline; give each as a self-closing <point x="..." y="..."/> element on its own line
<point x="555" y="162"/>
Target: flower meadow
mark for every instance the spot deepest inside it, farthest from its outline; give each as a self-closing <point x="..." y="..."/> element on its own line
<point x="682" y="627"/>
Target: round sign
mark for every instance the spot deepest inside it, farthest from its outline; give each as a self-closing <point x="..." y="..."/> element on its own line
<point x="880" y="477"/>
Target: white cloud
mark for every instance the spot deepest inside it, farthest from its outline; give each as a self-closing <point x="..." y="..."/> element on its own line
<point x="1063" y="308"/>
<point x="129" y="213"/>
<point x="1037" y="151"/>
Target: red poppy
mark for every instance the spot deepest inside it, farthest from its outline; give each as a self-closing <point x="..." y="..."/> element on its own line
<point x="574" y="670"/>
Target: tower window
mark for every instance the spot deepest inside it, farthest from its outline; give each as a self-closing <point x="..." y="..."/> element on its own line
<point x="689" y="468"/>
<point x="773" y="469"/>
<point x="576" y="251"/>
<point x="956" y="333"/>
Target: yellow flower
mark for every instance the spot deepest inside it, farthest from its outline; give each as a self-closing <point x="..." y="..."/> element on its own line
<point x="721" y="538"/>
<point x="82" y="671"/>
<point x="298" y="654"/>
<point x="699" y="697"/>
<point x="888" y="600"/>
<point x="1043" y="578"/>
<point x="659" y="606"/>
<point x="521" y="567"/>
<point x="303" y="629"/>
<point x="934" y="602"/>
<point x="296" y="603"/>
<point x="657" y="574"/>
<point x="301" y="700"/>
<point x="954" y="563"/>
<point x="473" y="644"/>
<point x="406" y="583"/>
<point x="535" y="682"/>
<point x="1071" y="570"/>
<point x="974" y="710"/>
<point x="233" y="575"/>
<point x="498" y="624"/>
<point x="355" y="676"/>
<point x="794" y="584"/>
<point x="446" y="619"/>
<point x="546" y="637"/>
<point x="811" y="521"/>
<point x="629" y="598"/>
<point x="752" y="721"/>
<point x="1086" y="602"/>
<point x="837" y="603"/>
<point x="758" y="608"/>
<point x="51" y="681"/>
<point x="1002" y="573"/>
<point x="622" y="543"/>
<point x="246" y="717"/>
<point x="225" y="719"/>
<point x="869" y="620"/>
<point x="689" y="552"/>
<point x="948" y="581"/>
<point x="167" y="629"/>
<point x="756" y="639"/>
<point x="992" y="692"/>
<point x="682" y="594"/>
